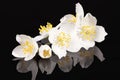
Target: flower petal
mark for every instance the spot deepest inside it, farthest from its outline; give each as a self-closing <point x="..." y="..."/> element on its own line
<point x="100" y="34"/>
<point x="66" y="18"/>
<point x="62" y="20"/>
<point x="75" y="44"/>
<point x="79" y="12"/>
<point x="87" y="44"/>
<point x="59" y="51"/>
<point x="22" y="38"/>
<point x="39" y="37"/>
<point x="52" y="35"/>
<point x="89" y="20"/>
<point x="29" y="56"/>
<point x="68" y="28"/>
<point x="18" y="52"/>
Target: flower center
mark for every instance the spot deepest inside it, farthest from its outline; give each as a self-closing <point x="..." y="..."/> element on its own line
<point x="88" y="32"/>
<point x="46" y="53"/>
<point x="63" y="39"/>
<point x="45" y="29"/>
<point x="72" y="19"/>
<point x="27" y="47"/>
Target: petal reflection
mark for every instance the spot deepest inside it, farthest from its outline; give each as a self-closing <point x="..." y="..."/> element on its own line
<point x="26" y="66"/>
<point x="65" y="63"/>
<point x="46" y="65"/>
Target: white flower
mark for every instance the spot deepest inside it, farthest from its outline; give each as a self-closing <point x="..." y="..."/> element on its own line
<point x="86" y="28"/>
<point x="27" y="48"/>
<point x="63" y="40"/>
<point x="45" y="51"/>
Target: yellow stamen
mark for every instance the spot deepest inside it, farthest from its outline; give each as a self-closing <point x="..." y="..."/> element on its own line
<point x="45" y="29"/>
<point x="46" y="53"/>
<point x="73" y="19"/>
<point x="27" y="47"/>
<point x="63" y="39"/>
<point x="88" y="32"/>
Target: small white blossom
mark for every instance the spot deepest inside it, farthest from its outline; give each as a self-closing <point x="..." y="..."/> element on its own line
<point x="45" y="51"/>
<point x="27" y="48"/>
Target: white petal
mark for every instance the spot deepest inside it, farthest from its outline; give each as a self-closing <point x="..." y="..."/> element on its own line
<point x="18" y="39"/>
<point x="100" y="34"/>
<point x="75" y="44"/>
<point x="65" y="18"/>
<point x="35" y="47"/>
<point x="18" y="52"/>
<point x="59" y="51"/>
<point x="45" y="34"/>
<point x="87" y="44"/>
<point x="40" y="37"/>
<point x="22" y="38"/>
<point x="52" y="35"/>
<point x="67" y="27"/>
<point x="29" y="57"/>
<point x="89" y="20"/>
<point x="42" y="48"/>
<point x="79" y="12"/>
<point x="61" y="21"/>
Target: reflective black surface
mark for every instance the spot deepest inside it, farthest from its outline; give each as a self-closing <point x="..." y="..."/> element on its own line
<point x="25" y="18"/>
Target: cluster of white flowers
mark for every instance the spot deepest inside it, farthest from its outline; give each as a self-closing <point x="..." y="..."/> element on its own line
<point x="70" y="35"/>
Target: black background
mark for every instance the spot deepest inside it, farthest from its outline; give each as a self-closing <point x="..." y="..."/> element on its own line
<point x="25" y="17"/>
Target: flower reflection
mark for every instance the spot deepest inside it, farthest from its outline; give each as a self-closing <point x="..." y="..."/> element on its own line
<point x="26" y="66"/>
<point x="65" y="63"/>
<point x="47" y="65"/>
<point x="84" y="57"/>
